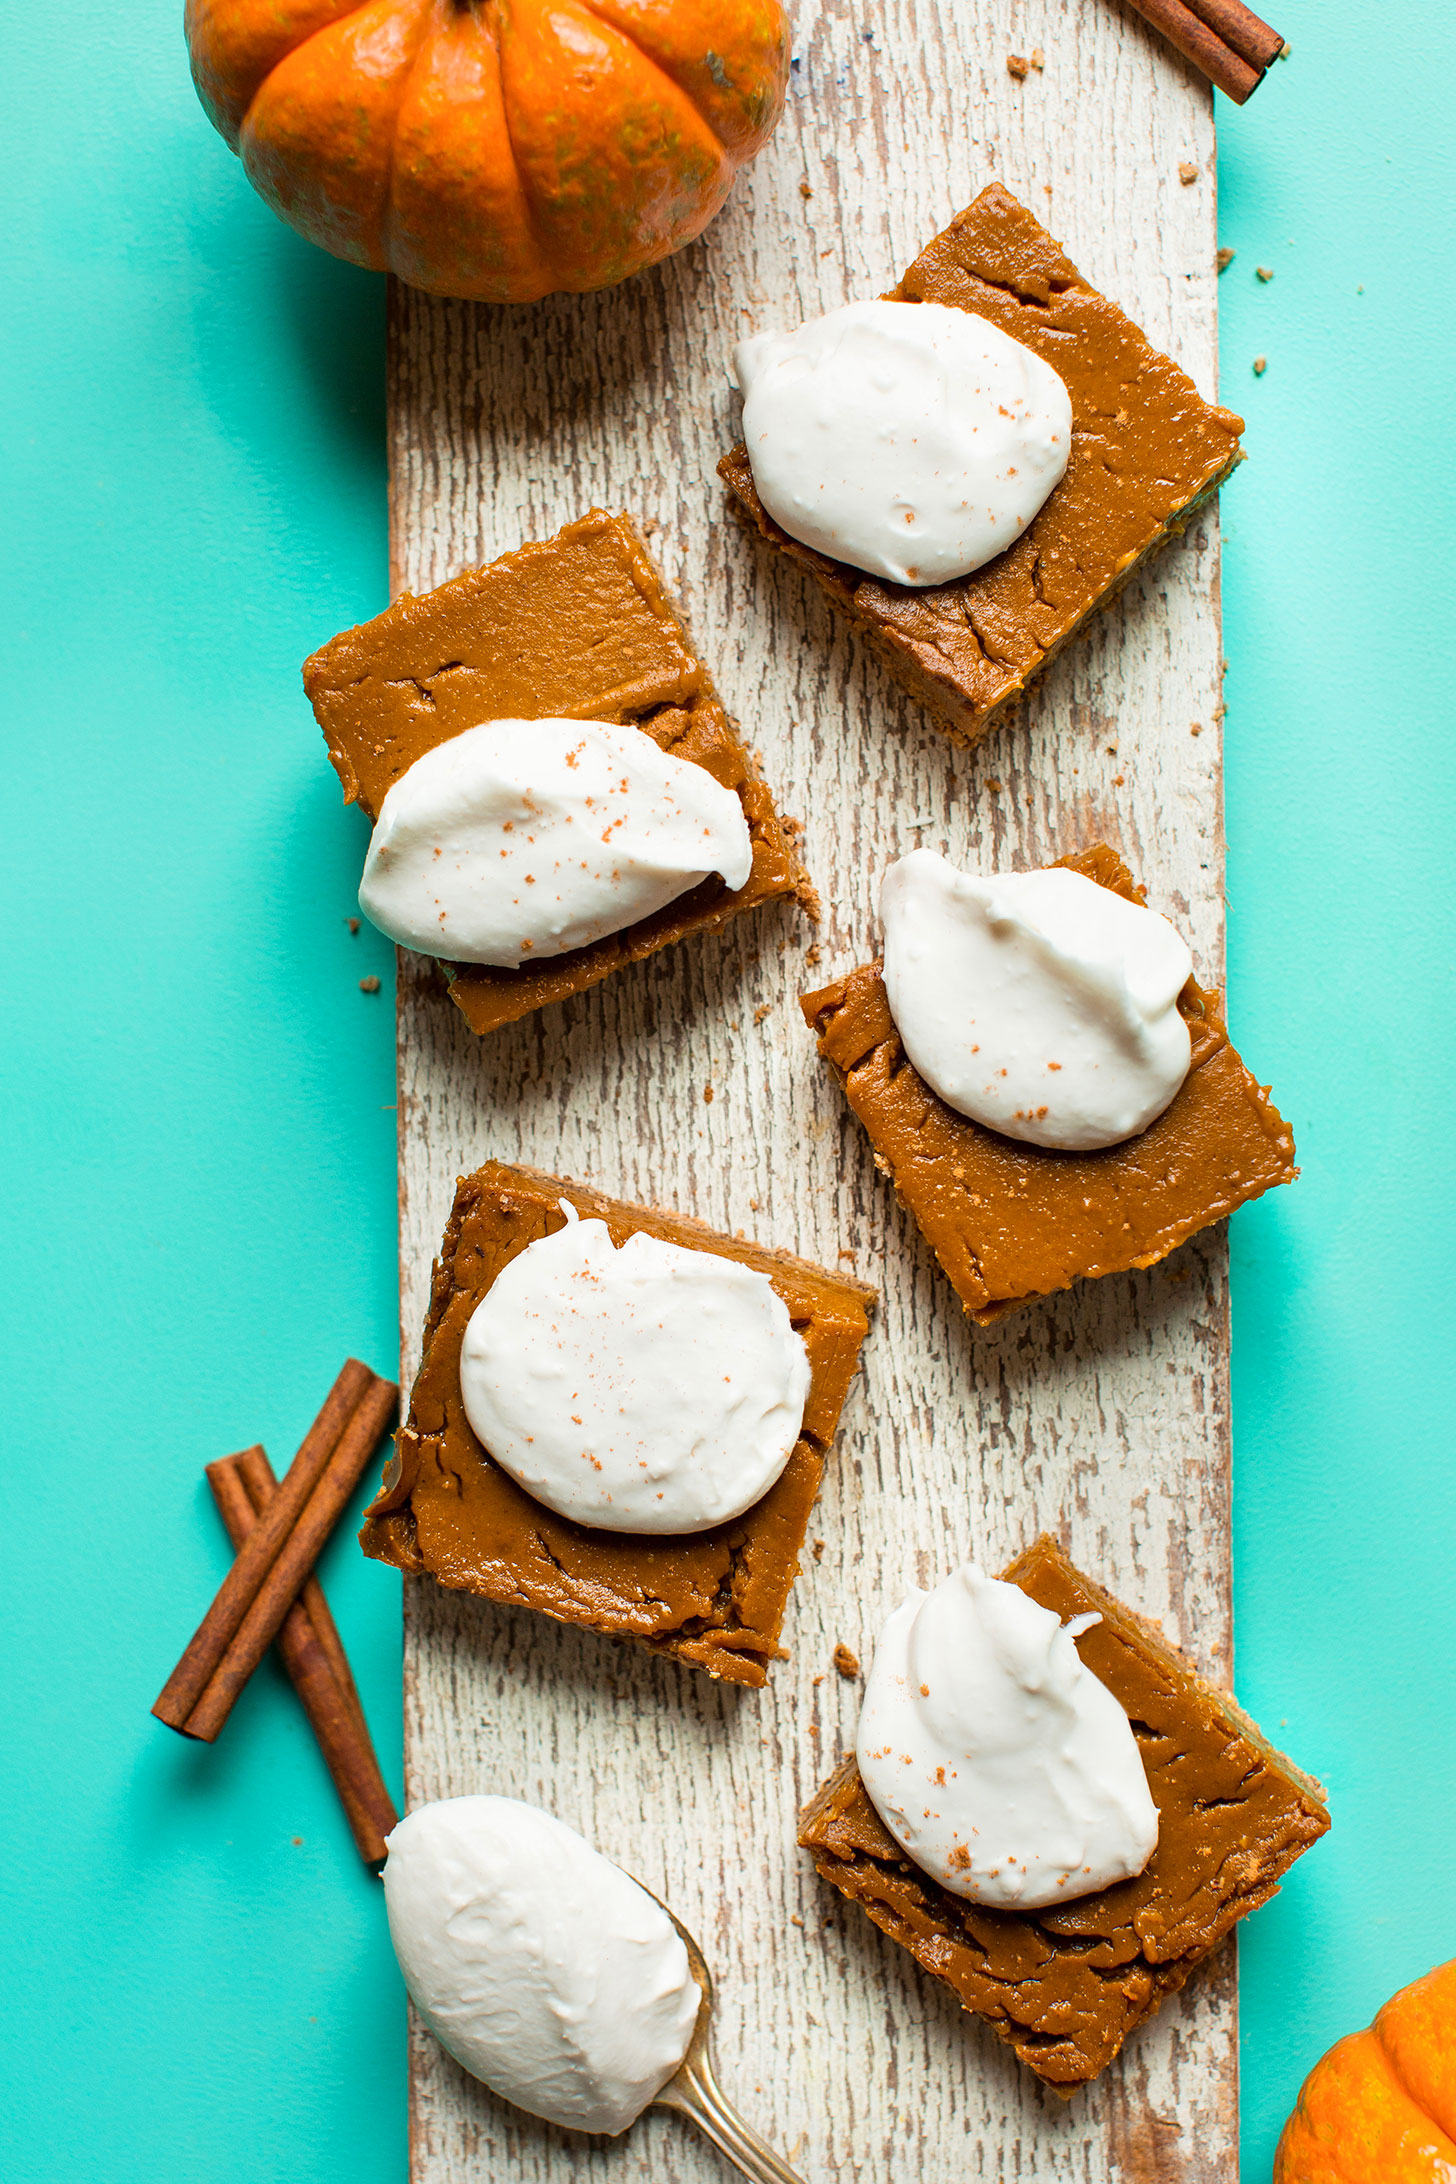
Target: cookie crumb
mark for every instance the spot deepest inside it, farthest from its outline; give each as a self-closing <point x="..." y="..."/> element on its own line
<point x="1225" y="258"/>
<point x="1285" y="50"/>
<point x="1265" y="272"/>
<point x="817" y="1550"/>
<point x="794" y="1919"/>
<point x="846" y="1662"/>
<point x="846" y="1251"/>
<point x="1187" y="171"/>
<point x="1118" y="780"/>
<point x="804" y="190"/>
<point x="1038" y="58"/>
<point x="753" y="1205"/>
<point x="811" y="955"/>
<point x="995" y="787"/>
<point x="1019" y="66"/>
<point x="708" y="1094"/>
<point x="765" y="1008"/>
<point x="1195" y="728"/>
<point x="353" y="924"/>
<point x="1261" y="365"/>
<point x="369" y="984"/>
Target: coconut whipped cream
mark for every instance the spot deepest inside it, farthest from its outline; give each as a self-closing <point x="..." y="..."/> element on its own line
<point x="641" y="1389"/>
<point x="914" y="441"/>
<point x="995" y="1758"/>
<point x="541" y="1966"/>
<point x="1037" y="1003"/>
<point x="521" y="839"/>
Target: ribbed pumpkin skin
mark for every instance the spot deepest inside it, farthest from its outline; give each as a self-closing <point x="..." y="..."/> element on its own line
<point x="500" y="149"/>
<point x="1380" y="2108"/>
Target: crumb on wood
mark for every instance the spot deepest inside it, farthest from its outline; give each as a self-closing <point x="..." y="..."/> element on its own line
<point x="995" y="787"/>
<point x="1019" y="66"/>
<point x="1112" y="750"/>
<point x="753" y="1205"/>
<point x="846" y="1251"/>
<point x="1261" y="365"/>
<point x="1187" y="171"/>
<point x="846" y="1661"/>
<point x="1118" y="779"/>
<point x="794" y="1919"/>
<point x="765" y="1008"/>
<point x="1038" y="58"/>
<point x="811" y="955"/>
<point x="708" y="1094"/>
<point x="1225" y="258"/>
<point x="804" y="190"/>
<point x="817" y="1550"/>
<point x="1265" y="272"/>
<point x="1195" y="728"/>
<point x="815" y="1682"/>
<point x="353" y="924"/>
<point x="369" y="984"/>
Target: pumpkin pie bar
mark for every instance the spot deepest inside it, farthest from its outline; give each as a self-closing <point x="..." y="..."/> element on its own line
<point x="1065" y="1985"/>
<point x="1146" y="450"/>
<point x="715" y="1598"/>
<point x="575" y="627"/>
<point x="1010" y="1221"/>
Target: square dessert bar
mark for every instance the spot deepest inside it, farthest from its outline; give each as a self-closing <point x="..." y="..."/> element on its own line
<point x="577" y="627"/>
<point x="716" y="1598"/>
<point x="1146" y="449"/>
<point x="1064" y="1986"/>
<point x="1010" y="1221"/>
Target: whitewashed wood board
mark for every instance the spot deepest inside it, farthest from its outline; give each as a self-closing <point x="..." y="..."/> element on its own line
<point x="1102" y="1416"/>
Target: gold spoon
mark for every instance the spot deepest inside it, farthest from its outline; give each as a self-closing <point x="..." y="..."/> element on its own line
<point x="694" y="2091"/>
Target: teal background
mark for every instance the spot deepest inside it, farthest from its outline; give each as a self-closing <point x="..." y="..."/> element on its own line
<point x="196" y="1978"/>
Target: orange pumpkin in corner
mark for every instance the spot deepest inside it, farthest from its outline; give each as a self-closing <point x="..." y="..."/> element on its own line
<point x="500" y="149"/>
<point x="1380" y="2108"/>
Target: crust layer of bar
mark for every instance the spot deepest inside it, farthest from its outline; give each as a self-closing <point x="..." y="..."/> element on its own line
<point x="1064" y="1987"/>
<point x="716" y="1599"/>
<point x="576" y="627"/>
<point x="1146" y="450"/>
<point x="1010" y="1221"/>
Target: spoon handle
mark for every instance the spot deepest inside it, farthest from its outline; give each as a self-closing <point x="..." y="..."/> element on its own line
<point x="695" y="2092"/>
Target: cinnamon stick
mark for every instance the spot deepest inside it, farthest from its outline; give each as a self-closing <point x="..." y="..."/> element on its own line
<point x="295" y="1561"/>
<point x="185" y="1685"/>
<point x="1197" y="38"/>
<point x="257" y="1476"/>
<point x="1241" y="29"/>
<point x="313" y="1654"/>
<point x="278" y="1555"/>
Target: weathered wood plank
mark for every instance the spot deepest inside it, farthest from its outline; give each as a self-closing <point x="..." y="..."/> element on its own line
<point x="1103" y="1415"/>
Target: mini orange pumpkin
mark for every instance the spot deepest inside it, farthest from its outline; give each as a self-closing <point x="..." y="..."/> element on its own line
<point x="493" y="148"/>
<point x="1380" y="2108"/>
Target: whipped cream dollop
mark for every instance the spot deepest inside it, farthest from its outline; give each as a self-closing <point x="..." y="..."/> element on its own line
<point x="543" y="1968"/>
<point x="521" y="839"/>
<point x="646" y="1389"/>
<point x="1037" y="1003"/>
<point x="912" y="440"/>
<point x="995" y="1758"/>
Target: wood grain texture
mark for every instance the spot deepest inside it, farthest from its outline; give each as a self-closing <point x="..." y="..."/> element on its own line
<point x="1102" y="1415"/>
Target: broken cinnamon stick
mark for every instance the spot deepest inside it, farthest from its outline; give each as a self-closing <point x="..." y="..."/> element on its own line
<point x="1218" y="37"/>
<point x="278" y="1555"/>
<point x="312" y="1652"/>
